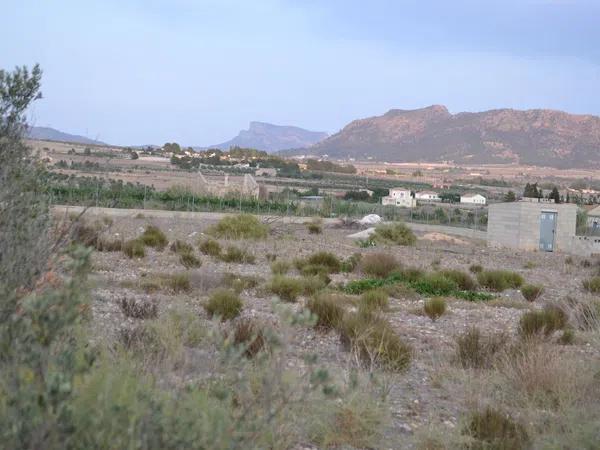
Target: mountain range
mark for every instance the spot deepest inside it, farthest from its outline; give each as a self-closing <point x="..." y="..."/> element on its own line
<point x="539" y="137"/>
<point x="50" y="134"/>
<point x="271" y="138"/>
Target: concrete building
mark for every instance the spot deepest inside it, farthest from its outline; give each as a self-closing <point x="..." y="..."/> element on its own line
<point x="399" y="197"/>
<point x="593" y="220"/>
<point x="473" y="199"/>
<point x="532" y="224"/>
<point x="428" y="196"/>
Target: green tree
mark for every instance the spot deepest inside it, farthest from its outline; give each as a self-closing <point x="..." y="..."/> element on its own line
<point x="532" y="191"/>
<point x="510" y="196"/>
<point x="554" y="195"/>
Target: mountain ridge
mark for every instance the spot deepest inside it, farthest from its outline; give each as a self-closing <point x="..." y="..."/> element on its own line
<point x="269" y="137"/>
<point x="532" y="137"/>
<point x="52" y="134"/>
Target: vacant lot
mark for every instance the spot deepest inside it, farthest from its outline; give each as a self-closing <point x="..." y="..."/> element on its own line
<point x="544" y="384"/>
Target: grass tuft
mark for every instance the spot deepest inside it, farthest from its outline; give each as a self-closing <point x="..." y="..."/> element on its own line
<point x="395" y="233"/>
<point x="286" y="288"/>
<point x="138" y="309"/>
<point x="376" y="299"/>
<point x="434" y="308"/>
<point x="545" y="321"/>
<point x="134" y="248"/>
<point x="531" y="292"/>
<point x="592" y="284"/>
<point x="235" y="254"/>
<point x="280" y="267"/>
<point x="494" y="430"/>
<point x="249" y="334"/>
<point x="154" y="237"/>
<point x="327" y="308"/>
<point x="210" y="247"/>
<point x="224" y="303"/>
<point x="477" y="351"/>
<point x="379" y="265"/>
<point x="189" y="260"/>
<point x="499" y="280"/>
<point x="242" y="226"/>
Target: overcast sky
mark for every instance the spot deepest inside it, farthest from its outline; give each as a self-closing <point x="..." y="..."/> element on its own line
<point x="196" y="72"/>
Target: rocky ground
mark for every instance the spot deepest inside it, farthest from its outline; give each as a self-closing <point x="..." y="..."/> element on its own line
<point x="432" y="393"/>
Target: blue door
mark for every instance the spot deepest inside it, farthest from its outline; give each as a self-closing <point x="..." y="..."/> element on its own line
<point x="547" y="231"/>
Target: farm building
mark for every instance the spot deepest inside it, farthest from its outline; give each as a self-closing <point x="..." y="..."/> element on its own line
<point x="532" y="224"/>
<point x="428" y="196"/>
<point x="399" y="197"/>
<point x="474" y="199"/>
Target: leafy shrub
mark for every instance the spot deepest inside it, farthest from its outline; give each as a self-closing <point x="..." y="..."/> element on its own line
<point x="434" y="308"/>
<point x="179" y="246"/>
<point x="224" y="303"/>
<point x="327" y="309"/>
<point x="325" y="259"/>
<point x="544" y="321"/>
<point x="350" y="263"/>
<point x="249" y="334"/>
<point x="567" y="337"/>
<point x="314" y="228"/>
<point x="378" y="265"/>
<point x="475" y="268"/>
<point x="374" y="341"/>
<point x="531" y="292"/>
<point x="242" y="226"/>
<point x="189" y="260"/>
<point x="435" y="284"/>
<point x="499" y="280"/>
<point x="280" y="267"/>
<point x="376" y="299"/>
<point x="494" y="430"/>
<point x="477" y="351"/>
<point x="463" y="280"/>
<point x="210" y="247"/>
<point x="138" y="309"/>
<point x="154" y="237"/>
<point x="396" y="233"/>
<point x="235" y="254"/>
<point x="592" y="284"/>
<point x="134" y="248"/>
<point x="286" y="288"/>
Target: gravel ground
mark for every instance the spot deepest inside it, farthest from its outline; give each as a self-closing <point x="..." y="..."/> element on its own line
<point x="426" y="393"/>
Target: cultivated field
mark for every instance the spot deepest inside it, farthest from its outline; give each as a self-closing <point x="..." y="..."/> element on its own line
<point x="514" y="385"/>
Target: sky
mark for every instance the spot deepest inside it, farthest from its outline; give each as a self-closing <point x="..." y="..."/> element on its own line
<point x="136" y="72"/>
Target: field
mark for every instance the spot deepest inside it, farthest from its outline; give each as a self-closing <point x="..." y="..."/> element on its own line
<point x="545" y="386"/>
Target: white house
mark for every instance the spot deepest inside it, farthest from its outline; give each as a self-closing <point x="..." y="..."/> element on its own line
<point x="474" y="199"/>
<point x="428" y="196"/>
<point x="399" y="197"/>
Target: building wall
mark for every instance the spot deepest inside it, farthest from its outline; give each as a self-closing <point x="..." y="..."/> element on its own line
<point x="517" y="225"/>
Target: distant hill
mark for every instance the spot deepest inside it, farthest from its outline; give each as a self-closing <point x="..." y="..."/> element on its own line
<point x="271" y="138"/>
<point x="50" y="134"/>
<point x="535" y="137"/>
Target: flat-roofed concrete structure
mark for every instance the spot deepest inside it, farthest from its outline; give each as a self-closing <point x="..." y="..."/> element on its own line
<point x="532" y="224"/>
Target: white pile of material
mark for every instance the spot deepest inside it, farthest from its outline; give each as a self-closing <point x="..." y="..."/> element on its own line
<point x="364" y="234"/>
<point x="370" y="219"/>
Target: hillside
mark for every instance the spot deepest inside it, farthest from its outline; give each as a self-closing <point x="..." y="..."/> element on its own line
<point x="269" y="137"/>
<point x="536" y="137"/>
<point x="50" y="134"/>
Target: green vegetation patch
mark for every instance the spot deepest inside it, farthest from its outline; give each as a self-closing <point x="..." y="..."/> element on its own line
<point x="241" y="226"/>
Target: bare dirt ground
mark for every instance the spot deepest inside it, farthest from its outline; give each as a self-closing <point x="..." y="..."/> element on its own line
<point x="433" y="396"/>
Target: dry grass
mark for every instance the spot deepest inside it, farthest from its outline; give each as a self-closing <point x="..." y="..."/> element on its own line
<point x="134" y="248"/>
<point x="249" y="335"/>
<point x="224" y="303"/>
<point x="242" y="226"/>
<point x="154" y="237"/>
<point x="531" y="292"/>
<point x="499" y="280"/>
<point x="327" y="308"/>
<point x="286" y="288"/>
<point x="138" y="309"/>
<point x="434" y="308"/>
<point x="396" y="233"/>
<point x="238" y="255"/>
<point x="210" y="247"/>
<point x="378" y="265"/>
<point x="477" y="351"/>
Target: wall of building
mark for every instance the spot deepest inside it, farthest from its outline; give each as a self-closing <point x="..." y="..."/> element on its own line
<point x="585" y="246"/>
<point x="517" y="225"/>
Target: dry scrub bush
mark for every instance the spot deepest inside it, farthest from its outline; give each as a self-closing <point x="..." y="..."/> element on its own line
<point x="567" y="337"/>
<point x="235" y="254"/>
<point x="242" y="226"/>
<point x="138" y="309"/>
<point x="373" y="341"/>
<point x="351" y="263"/>
<point x="179" y="282"/>
<point x="545" y="321"/>
<point x="154" y="237"/>
<point x="463" y="280"/>
<point x="189" y="260"/>
<point x="249" y="335"/>
<point x="179" y="246"/>
<point x="286" y="288"/>
<point x="378" y="265"/>
<point x="106" y="245"/>
<point x="396" y="233"/>
<point x="239" y="282"/>
<point x="315" y="227"/>
<point x="375" y="299"/>
<point x="224" y="303"/>
<point x="531" y="292"/>
<point x="327" y="308"/>
<point x="475" y="268"/>
<point x="495" y="430"/>
<point x="280" y="267"/>
<point x="313" y="284"/>
<point x="325" y="259"/>
<point x="499" y="280"/>
<point x="434" y="308"/>
<point x="210" y="247"/>
<point x="592" y="285"/>
<point x="134" y="248"/>
<point x="477" y="351"/>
